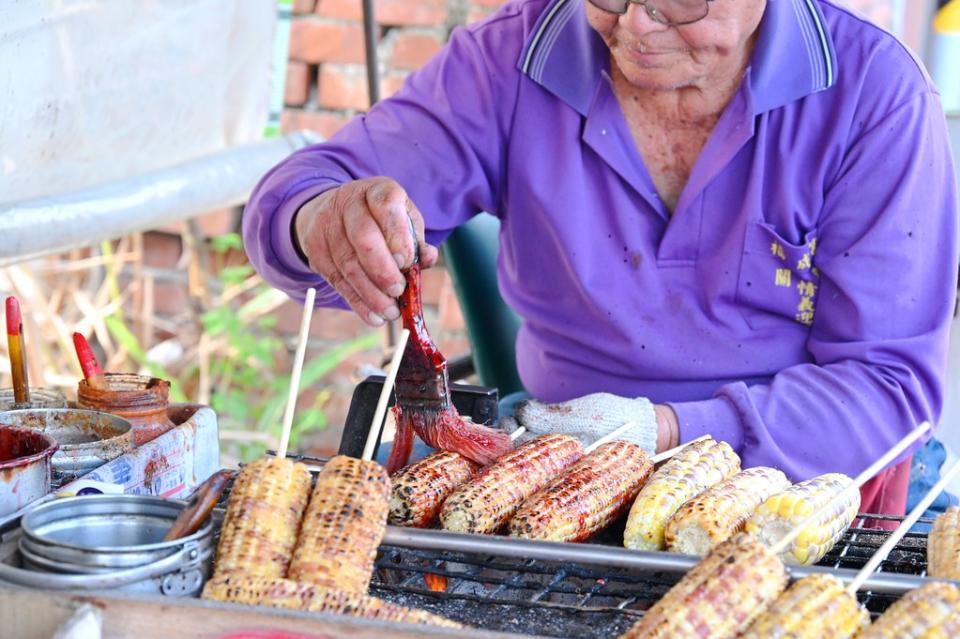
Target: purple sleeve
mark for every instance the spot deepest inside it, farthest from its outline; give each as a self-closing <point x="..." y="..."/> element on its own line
<point x="887" y="258"/>
<point x="440" y="137"/>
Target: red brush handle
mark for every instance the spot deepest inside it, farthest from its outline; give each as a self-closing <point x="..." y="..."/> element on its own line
<point x="14" y="319"/>
<point x="88" y="361"/>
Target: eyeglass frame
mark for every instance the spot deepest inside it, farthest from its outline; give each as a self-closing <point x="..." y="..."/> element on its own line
<point x="652" y="12"/>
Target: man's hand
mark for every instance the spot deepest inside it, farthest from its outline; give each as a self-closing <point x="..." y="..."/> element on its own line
<point x="591" y="417"/>
<point x="357" y="237"/>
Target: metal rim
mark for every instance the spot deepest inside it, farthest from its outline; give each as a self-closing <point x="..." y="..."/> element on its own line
<point x="52" y="447"/>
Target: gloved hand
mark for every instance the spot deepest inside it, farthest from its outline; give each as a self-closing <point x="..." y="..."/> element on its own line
<point x="588" y="419"/>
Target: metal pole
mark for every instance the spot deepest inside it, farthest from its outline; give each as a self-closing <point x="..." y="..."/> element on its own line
<point x="373" y="92"/>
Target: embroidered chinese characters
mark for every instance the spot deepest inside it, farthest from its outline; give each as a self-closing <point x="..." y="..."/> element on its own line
<point x="803" y="276"/>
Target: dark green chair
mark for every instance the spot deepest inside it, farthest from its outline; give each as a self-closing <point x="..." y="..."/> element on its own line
<point x="471" y="257"/>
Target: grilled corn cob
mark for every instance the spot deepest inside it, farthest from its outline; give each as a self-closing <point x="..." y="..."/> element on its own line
<point x="923" y="613"/>
<point x="263" y="517"/>
<point x="943" y="546"/>
<point x="718" y="597"/>
<point x="343" y="525"/>
<point x="254" y="590"/>
<point x="487" y="502"/>
<point x="691" y="471"/>
<point x="719" y="512"/>
<point x="419" y="490"/>
<point x="789" y="508"/>
<point x="815" y="607"/>
<point x="585" y="498"/>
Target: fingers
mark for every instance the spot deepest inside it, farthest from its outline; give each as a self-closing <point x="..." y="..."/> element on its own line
<point x="358" y="238"/>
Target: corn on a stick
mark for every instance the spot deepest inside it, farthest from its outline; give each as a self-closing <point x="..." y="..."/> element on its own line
<point x="943" y="546"/>
<point x="585" y="498"/>
<point x="927" y="612"/>
<point x="790" y="507"/>
<point x="691" y="471"/>
<point x="815" y="607"/>
<point x="343" y="525"/>
<point x="419" y="490"/>
<point x="253" y="590"/>
<point x="263" y="517"/>
<point x="720" y="511"/>
<point x="719" y="597"/>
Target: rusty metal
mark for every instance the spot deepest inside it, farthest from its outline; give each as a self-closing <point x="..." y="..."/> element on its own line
<point x="88" y="439"/>
<point x="24" y="467"/>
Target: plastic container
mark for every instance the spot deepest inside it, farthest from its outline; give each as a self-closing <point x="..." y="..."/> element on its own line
<point x="39" y="398"/>
<point x="139" y="399"/>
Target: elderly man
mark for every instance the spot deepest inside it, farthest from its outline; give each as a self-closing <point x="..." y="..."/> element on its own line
<point x="734" y="217"/>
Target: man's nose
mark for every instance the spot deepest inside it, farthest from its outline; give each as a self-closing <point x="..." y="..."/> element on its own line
<point x="637" y="20"/>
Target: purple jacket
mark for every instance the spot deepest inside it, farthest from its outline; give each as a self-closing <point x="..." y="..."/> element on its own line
<point x="797" y="302"/>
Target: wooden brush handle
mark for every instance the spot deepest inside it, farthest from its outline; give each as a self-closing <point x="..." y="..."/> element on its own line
<point x="192" y="517"/>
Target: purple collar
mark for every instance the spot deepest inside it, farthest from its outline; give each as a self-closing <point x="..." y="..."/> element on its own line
<point x="565" y="56"/>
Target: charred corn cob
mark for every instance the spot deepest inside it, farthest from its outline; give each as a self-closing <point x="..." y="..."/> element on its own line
<point x="719" y="512"/>
<point x="487" y="502"/>
<point x="815" y="607"/>
<point x="943" y="546"/>
<point x="789" y="508"/>
<point x="719" y="597"/>
<point x="419" y="490"/>
<point x="254" y="590"/>
<point x="343" y="525"/>
<point x="586" y="497"/>
<point x="691" y="471"/>
<point x="263" y="517"/>
<point x="923" y="613"/>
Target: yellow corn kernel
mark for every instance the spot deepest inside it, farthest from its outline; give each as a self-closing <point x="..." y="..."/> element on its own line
<point x="719" y="597"/>
<point x="943" y="546"/>
<point x="720" y="512"/>
<point x="687" y="474"/>
<point x="815" y="607"/>
<point x="343" y="526"/>
<point x="253" y="590"/>
<point x="922" y="613"/>
<point x="263" y="517"/>
<point x="783" y="512"/>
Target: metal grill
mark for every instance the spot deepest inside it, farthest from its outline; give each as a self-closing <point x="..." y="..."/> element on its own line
<point x="587" y="590"/>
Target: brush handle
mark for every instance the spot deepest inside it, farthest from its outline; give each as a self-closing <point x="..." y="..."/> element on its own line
<point x="88" y="361"/>
<point x="15" y="346"/>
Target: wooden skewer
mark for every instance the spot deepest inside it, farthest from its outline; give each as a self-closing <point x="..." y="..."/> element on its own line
<point x="17" y="352"/>
<point x="667" y="454"/>
<point x="857" y="482"/>
<point x="377" y="424"/>
<point x="295" y="374"/>
<point x="609" y="436"/>
<point x="515" y="434"/>
<point x="902" y="530"/>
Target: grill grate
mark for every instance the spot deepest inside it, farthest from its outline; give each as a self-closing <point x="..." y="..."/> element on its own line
<point x="567" y="598"/>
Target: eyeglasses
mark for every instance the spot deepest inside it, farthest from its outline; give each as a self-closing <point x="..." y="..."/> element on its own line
<point x="672" y="13"/>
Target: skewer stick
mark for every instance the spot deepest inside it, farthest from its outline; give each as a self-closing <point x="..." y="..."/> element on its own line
<point x="667" y="454"/>
<point x="857" y="482"/>
<point x="609" y="437"/>
<point x="17" y="351"/>
<point x="515" y="434"/>
<point x="902" y="530"/>
<point x="377" y="424"/>
<point x="295" y="374"/>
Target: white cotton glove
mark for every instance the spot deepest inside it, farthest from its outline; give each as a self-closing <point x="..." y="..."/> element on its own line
<point x="588" y="419"/>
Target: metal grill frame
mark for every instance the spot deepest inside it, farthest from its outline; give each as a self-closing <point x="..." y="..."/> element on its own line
<point x="590" y="589"/>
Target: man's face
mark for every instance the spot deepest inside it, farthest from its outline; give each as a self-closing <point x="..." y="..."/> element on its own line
<point x="654" y="56"/>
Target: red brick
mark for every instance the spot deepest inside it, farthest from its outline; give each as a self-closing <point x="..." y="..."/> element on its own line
<point x="451" y="317"/>
<point x="392" y="82"/>
<point x="477" y="14"/>
<point x="297" y="88"/>
<point x="344" y="9"/>
<point x="326" y="123"/>
<point x="432" y="282"/>
<point x="216" y="223"/>
<point x="161" y="250"/>
<point x="315" y="40"/>
<point x="412" y="12"/>
<point x="490" y="4"/>
<point x="412" y="49"/>
<point x="343" y="86"/>
<point x="303" y="6"/>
